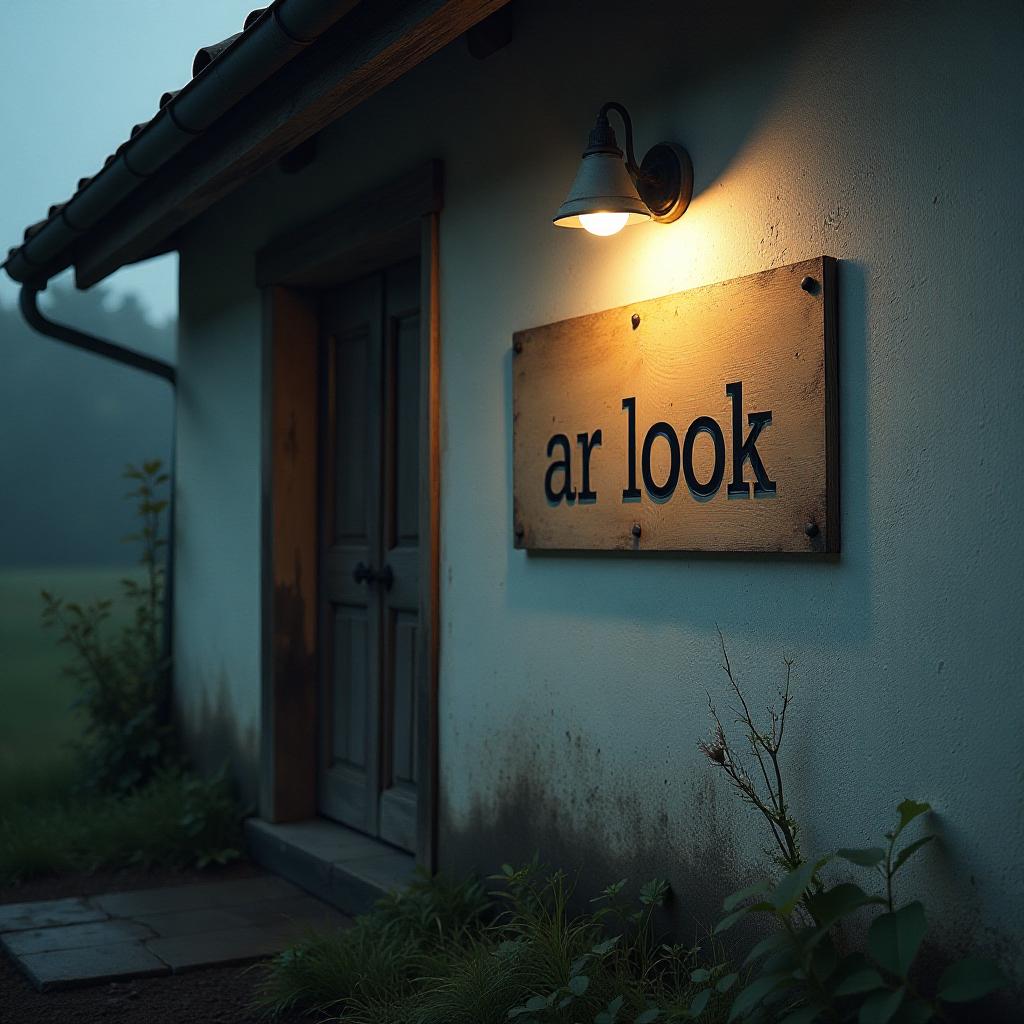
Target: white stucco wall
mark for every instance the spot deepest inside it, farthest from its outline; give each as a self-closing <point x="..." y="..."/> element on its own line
<point x="573" y="689"/>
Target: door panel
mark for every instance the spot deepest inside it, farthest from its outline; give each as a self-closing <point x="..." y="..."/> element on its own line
<point x="350" y="704"/>
<point x="401" y="544"/>
<point x="371" y="557"/>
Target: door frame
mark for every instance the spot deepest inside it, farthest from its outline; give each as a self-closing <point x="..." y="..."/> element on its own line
<point x="385" y="226"/>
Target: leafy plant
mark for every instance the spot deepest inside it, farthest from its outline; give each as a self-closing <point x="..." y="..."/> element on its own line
<point x="803" y="974"/>
<point x="124" y="680"/>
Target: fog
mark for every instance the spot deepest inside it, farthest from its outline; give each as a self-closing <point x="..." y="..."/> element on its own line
<point x="75" y="77"/>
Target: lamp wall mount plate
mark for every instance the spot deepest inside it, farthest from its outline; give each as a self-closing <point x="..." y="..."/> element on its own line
<point x="665" y="181"/>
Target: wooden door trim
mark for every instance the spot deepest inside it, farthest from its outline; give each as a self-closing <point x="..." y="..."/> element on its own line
<point x="390" y="224"/>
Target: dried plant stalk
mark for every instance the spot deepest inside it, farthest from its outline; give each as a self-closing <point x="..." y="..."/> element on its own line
<point x="766" y="794"/>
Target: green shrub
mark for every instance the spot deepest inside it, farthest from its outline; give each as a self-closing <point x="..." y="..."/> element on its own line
<point x="177" y="820"/>
<point x="124" y="681"/>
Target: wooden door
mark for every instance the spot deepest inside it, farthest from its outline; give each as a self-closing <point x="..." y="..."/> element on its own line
<point x="371" y="549"/>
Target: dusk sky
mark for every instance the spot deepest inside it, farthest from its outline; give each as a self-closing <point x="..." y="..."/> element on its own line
<point x="77" y="74"/>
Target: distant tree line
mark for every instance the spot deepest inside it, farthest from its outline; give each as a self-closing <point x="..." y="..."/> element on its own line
<point x="69" y="422"/>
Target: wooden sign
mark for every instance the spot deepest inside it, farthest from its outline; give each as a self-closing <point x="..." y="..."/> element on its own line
<point x="703" y="421"/>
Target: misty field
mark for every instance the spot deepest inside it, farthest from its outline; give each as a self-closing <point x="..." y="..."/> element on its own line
<point x="37" y="723"/>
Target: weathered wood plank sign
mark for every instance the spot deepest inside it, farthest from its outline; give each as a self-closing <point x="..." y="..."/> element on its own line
<point x="702" y="421"/>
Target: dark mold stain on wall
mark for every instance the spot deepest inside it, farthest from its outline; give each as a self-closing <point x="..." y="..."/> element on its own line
<point x="577" y="813"/>
<point x="214" y="740"/>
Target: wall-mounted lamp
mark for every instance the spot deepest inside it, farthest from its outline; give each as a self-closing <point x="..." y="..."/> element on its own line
<point x="609" y="194"/>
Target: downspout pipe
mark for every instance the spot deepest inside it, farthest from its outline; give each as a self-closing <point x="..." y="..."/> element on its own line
<point x="29" y="303"/>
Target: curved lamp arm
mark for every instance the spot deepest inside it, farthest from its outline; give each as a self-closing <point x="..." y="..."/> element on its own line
<point x="627" y="122"/>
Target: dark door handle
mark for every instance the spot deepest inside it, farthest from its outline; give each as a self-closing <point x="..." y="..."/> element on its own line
<point x="367" y="574"/>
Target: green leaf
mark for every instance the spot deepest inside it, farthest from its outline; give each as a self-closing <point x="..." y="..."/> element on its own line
<point x="894" y="939"/>
<point x="729" y="920"/>
<point x="579" y="984"/>
<point x="805" y="1015"/>
<point x="866" y="980"/>
<point x="653" y="893"/>
<point x="970" y="979"/>
<point x="726" y="982"/>
<point x="832" y="904"/>
<point x="787" y="893"/>
<point x="700" y="975"/>
<point x="908" y="851"/>
<point x="739" y="896"/>
<point x="602" y="948"/>
<point x="700" y="1002"/>
<point x="753" y="994"/>
<point x="879" y="1007"/>
<point x="648" y="1016"/>
<point x="776" y="940"/>
<point x="909" y="810"/>
<point x="866" y="857"/>
<point x="535" y="1003"/>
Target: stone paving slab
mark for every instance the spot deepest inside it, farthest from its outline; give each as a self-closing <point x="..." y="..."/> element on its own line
<point x="192" y="922"/>
<point x="15" y="917"/>
<point x="295" y="909"/>
<point x="227" y="947"/>
<point x="60" y="943"/>
<point x="194" y="897"/>
<point x="67" y="967"/>
<point x="73" y="936"/>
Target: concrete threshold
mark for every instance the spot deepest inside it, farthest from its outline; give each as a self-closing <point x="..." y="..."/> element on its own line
<point x="343" y="867"/>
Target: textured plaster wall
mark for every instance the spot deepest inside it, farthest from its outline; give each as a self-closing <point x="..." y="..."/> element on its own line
<point x="573" y="688"/>
<point x="217" y="541"/>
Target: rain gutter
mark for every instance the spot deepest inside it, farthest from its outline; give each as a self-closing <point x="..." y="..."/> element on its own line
<point x="34" y="317"/>
<point x="223" y="74"/>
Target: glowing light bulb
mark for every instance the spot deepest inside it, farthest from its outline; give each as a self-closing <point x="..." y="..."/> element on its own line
<point x="604" y="223"/>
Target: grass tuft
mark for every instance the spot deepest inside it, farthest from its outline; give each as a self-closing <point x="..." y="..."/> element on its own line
<point x="447" y="954"/>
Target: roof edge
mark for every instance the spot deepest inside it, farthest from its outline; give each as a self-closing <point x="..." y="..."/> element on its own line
<point x="230" y="71"/>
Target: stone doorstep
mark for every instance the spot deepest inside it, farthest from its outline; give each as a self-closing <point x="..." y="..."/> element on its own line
<point x="345" y="868"/>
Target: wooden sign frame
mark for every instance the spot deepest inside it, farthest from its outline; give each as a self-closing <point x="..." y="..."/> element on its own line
<point x="707" y="420"/>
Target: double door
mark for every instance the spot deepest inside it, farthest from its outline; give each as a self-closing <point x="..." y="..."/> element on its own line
<point x="371" y="657"/>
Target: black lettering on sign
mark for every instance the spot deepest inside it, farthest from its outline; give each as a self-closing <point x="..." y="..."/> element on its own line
<point x="663" y="491"/>
<point x="747" y="451"/>
<point x="632" y="492"/>
<point x="707" y="490"/>
<point x="588" y="442"/>
<point x="563" y="466"/>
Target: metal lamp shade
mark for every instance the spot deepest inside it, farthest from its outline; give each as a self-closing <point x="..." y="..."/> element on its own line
<point x="602" y="185"/>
